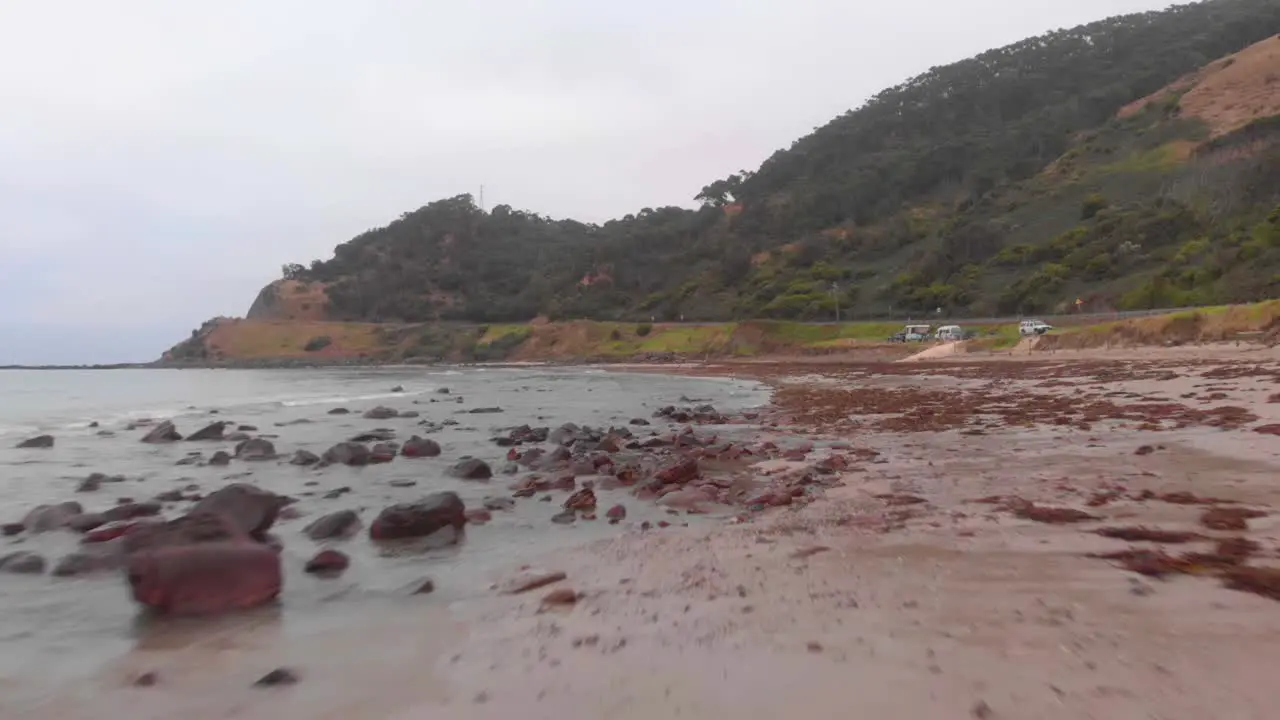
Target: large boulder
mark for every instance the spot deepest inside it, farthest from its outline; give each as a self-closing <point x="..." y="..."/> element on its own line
<point x="340" y="524"/>
<point x="42" y="442"/>
<point x="44" y="518"/>
<point x="84" y="562"/>
<point x="256" y="449"/>
<point x="190" y="529"/>
<point x="165" y="432"/>
<point x="471" y="469"/>
<point x="420" y="447"/>
<point x="22" y="563"/>
<point x="438" y="511"/>
<point x="250" y="509"/>
<point x="205" y="578"/>
<point x="84" y="522"/>
<point x="383" y="452"/>
<point x="212" y="431"/>
<point x="347" y="453"/>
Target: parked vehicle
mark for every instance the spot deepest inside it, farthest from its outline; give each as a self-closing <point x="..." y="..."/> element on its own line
<point x="911" y="333"/>
<point x="950" y="333"/>
<point x="1027" y="328"/>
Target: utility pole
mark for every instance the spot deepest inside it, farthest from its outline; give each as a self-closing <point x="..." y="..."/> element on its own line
<point x="482" y="198"/>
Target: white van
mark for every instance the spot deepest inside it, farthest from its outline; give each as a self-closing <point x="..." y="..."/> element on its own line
<point x="950" y="333"/>
<point x="1033" y="327"/>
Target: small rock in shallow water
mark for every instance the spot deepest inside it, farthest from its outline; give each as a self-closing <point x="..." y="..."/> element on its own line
<point x="328" y="562"/>
<point x="11" y="529"/>
<point x="334" y="525"/>
<point x="532" y="580"/>
<point x="471" y="469"/>
<point x="279" y="676"/>
<point x="165" y="432"/>
<point x="305" y="458"/>
<point x="380" y="413"/>
<point x="425" y="587"/>
<point x="499" y="503"/>
<point x="565" y="518"/>
<point x="420" y="447"/>
<point x="42" y="442"/>
<point x="220" y="458"/>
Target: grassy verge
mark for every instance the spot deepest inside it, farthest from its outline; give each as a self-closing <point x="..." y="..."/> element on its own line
<point x="258" y="339"/>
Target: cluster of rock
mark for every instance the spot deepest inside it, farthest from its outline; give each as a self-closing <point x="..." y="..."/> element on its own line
<point x="220" y="555"/>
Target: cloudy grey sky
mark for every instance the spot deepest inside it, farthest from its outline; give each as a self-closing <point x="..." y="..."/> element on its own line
<point x="159" y="160"/>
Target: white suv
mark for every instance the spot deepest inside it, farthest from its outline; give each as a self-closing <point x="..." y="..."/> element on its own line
<point x="1033" y="327"/>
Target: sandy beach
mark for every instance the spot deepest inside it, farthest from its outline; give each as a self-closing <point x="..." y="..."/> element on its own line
<point x="936" y="556"/>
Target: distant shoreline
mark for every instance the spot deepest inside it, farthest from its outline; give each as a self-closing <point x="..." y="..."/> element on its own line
<point x="112" y="366"/>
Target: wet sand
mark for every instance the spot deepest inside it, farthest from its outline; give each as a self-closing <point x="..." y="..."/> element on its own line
<point x="913" y="588"/>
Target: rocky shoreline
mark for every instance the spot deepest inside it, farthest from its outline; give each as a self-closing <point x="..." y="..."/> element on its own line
<point x="200" y="551"/>
<point x="1051" y="539"/>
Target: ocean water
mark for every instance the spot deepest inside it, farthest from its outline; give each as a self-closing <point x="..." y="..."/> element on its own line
<point x="55" y="630"/>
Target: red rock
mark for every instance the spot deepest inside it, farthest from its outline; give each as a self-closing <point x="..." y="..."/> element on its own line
<point x="114" y="530"/>
<point x="616" y="514"/>
<point x="533" y="483"/>
<point x="680" y="473"/>
<point x="249" y="508"/>
<point x="416" y="447"/>
<point x="410" y="520"/>
<point x="560" y="596"/>
<point x="564" y="482"/>
<point x="190" y="529"/>
<point x="584" y="499"/>
<point x="328" y="562"/>
<point x="531" y="580"/>
<point x="205" y="578"/>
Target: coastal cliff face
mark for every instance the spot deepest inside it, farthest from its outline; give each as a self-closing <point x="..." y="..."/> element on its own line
<point x="1127" y="164"/>
<point x="290" y="300"/>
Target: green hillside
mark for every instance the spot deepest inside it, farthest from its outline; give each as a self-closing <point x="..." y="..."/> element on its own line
<point x="1021" y="180"/>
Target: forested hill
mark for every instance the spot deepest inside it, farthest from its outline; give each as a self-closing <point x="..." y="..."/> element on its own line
<point x="1132" y="162"/>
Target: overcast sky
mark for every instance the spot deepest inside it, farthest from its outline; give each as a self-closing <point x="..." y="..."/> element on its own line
<point x="160" y="160"/>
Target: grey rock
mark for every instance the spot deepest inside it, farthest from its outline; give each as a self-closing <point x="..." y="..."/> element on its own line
<point x="212" y="431"/>
<point x="340" y="524"/>
<point x="256" y="449"/>
<point x="471" y="469"/>
<point x="165" y="432"/>
<point x="23" y="563"/>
